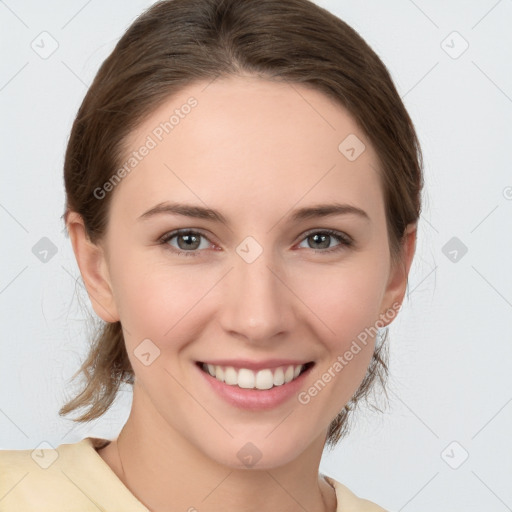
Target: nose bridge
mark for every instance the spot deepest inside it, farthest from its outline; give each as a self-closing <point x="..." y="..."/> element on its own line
<point x="256" y="303"/>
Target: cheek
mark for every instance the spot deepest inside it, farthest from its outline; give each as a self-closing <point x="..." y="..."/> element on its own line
<point x="158" y="300"/>
<point x="346" y="304"/>
<point x="345" y="300"/>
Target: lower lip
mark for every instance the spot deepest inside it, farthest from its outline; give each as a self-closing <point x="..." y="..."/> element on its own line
<point x="255" y="399"/>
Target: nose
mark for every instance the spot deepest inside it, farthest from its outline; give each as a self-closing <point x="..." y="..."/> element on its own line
<point x="256" y="303"/>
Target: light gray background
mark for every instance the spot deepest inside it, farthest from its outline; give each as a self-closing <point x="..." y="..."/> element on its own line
<point x="451" y="349"/>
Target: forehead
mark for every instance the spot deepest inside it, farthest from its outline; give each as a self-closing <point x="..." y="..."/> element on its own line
<point x="243" y="141"/>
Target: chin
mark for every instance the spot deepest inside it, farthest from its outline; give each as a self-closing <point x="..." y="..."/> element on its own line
<point x="263" y="452"/>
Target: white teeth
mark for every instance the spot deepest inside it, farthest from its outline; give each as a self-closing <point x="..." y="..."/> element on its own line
<point x="278" y="377"/>
<point x="288" y="374"/>
<point x="264" y="379"/>
<point x="247" y="379"/>
<point x="230" y="376"/>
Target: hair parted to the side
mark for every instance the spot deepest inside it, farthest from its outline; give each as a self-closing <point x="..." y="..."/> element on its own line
<point x="177" y="42"/>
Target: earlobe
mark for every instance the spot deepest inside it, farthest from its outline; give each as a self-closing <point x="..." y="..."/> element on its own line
<point x="397" y="283"/>
<point x="93" y="268"/>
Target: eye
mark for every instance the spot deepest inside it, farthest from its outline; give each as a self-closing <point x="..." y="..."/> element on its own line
<point x="188" y="241"/>
<point x="321" y="239"/>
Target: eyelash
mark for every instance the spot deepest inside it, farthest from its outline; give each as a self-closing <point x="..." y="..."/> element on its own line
<point x="345" y="241"/>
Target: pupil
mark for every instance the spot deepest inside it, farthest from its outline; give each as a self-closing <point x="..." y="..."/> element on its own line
<point x="324" y="240"/>
<point x="189" y="239"/>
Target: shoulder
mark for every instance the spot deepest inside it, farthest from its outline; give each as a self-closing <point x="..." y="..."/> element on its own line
<point x="350" y="502"/>
<point x="24" y="475"/>
<point x="71" y="477"/>
<point x="41" y="479"/>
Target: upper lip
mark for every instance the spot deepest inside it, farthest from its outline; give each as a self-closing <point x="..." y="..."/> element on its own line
<point x="255" y="365"/>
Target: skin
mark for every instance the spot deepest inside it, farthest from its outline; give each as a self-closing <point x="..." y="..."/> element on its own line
<point x="255" y="150"/>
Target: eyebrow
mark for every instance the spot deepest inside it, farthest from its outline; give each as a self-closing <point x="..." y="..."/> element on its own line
<point x="199" y="212"/>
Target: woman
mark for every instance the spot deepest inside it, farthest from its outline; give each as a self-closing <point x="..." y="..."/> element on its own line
<point x="243" y="187"/>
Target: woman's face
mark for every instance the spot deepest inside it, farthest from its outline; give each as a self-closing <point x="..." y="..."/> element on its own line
<point x="260" y="171"/>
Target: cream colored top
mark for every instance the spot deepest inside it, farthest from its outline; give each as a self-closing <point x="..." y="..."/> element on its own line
<point x="74" y="478"/>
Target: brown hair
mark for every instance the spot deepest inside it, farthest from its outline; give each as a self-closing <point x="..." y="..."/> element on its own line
<point x="177" y="42"/>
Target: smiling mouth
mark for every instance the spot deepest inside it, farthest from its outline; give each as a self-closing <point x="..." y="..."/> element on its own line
<point x="263" y="379"/>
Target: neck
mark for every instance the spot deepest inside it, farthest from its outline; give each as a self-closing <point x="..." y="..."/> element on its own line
<point x="165" y="472"/>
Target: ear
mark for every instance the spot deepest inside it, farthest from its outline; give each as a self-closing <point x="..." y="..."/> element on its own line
<point x="397" y="283"/>
<point x="93" y="268"/>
